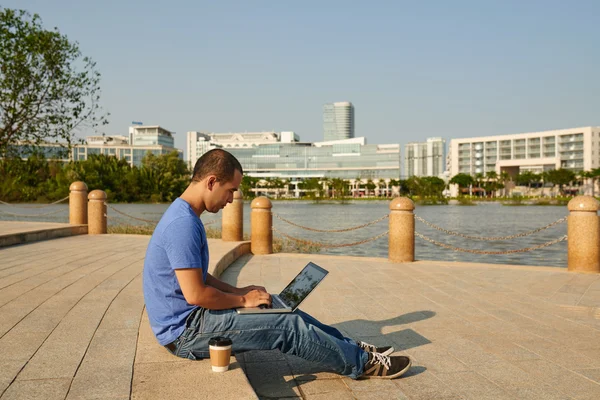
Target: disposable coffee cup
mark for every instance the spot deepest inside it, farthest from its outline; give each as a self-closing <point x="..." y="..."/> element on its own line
<point x="220" y="353"/>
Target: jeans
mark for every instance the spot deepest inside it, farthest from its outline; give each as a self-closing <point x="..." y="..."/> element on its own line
<point x="295" y="333"/>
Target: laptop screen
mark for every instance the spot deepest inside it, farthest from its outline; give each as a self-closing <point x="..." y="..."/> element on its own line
<point x="302" y="285"/>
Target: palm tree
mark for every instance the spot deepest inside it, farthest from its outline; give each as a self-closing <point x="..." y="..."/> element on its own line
<point x="381" y="183"/>
<point x="594" y="174"/>
<point x="492" y="177"/>
<point x="504" y="177"/>
<point x="544" y="178"/>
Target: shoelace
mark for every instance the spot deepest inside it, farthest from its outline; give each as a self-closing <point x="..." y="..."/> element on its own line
<point x="367" y="347"/>
<point x="378" y="358"/>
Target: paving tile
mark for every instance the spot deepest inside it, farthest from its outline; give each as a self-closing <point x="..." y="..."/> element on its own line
<point x="471" y="385"/>
<point x="370" y="385"/>
<point x="437" y="359"/>
<point x="593" y="373"/>
<point x="272" y="379"/>
<point x="39" y="389"/>
<point x="306" y="370"/>
<point x="561" y="379"/>
<point x="319" y="386"/>
<point x="420" y="384"/>
<point x="345" y="395"/>
<point x="370" y="395"/>
<point x="518" y="382"/>
<point x="556" y="354"/>
<point x="107" y="367"/>
<point x="188" y="380"/>
<point x="20" y="346"/>
<point x="148" y="350"/>
<point x="503" y="348"/>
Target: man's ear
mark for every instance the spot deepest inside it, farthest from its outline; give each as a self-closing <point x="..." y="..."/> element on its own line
<point x="211" y="182"/>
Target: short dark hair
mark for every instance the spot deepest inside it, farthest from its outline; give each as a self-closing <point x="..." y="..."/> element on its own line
<point x="216" y="162"/>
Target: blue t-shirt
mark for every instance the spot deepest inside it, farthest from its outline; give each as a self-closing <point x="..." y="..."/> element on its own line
<point x="179" y="241"/>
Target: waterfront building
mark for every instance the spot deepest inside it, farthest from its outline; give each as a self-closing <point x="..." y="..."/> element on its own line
<point x="286" y="158"/>
<point x="577" y="149"/>
<point x="425" y="158"/>
<point x="199" y="143"/>
<point x="141" y="140"/>
<point x="338" y="121"/>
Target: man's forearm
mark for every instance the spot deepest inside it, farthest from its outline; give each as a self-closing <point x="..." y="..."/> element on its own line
<point x="220" y="285"/>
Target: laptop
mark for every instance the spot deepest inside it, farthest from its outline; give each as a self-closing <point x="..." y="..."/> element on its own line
<point x="295" y="293"/>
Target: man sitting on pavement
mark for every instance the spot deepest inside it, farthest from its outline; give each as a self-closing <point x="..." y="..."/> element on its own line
<point x="187" y="306"/>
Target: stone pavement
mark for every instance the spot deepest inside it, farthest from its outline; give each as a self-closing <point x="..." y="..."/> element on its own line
<point x="72" y="326"/>
<point x="474" y="331"/>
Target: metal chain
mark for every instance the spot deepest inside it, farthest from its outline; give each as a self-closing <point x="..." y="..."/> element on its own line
<point x="490" y="252"/>
<point x="34" y="206"/>
<point x="131" y="216"/>
<point x="34" y="215"/>
<point x="490" y="238"/>
<point x="331" y="230"/>
<point x="148" y="220"/>
<point x="326" y="245"/>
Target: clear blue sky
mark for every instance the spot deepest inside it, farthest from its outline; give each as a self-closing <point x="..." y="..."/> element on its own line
<point x="412" y="69"/>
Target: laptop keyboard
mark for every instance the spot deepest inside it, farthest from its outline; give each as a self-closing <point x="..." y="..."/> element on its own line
<point x="276" y="304"/>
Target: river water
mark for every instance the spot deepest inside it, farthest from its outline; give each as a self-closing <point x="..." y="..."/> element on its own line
<point x="485" y="219"/>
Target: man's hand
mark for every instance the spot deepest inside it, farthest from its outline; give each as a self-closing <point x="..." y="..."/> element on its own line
<point x="255" y="298"/>
<point x="250" y="288"/>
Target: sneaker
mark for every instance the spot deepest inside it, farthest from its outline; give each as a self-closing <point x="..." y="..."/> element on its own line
<point x="371" y="348"/>
<point x="385" y="367"/>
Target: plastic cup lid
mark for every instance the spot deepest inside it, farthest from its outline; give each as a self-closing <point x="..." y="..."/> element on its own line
<point x="219" y="341"/>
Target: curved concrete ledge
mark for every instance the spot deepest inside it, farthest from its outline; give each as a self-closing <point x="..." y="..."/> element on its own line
<point x="13" y="233"/>
<point x="227" y="253"/>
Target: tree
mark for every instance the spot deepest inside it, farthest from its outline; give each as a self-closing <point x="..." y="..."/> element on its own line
<point x="370" y="186"/>
<point x="340" y="188"/>
<point x="48" y="90"/>
<point x="560" y="177"/>
<point x="526" y="178"/>
<point x="462" y="180"/>
<point x="312" y="187"/>
<point x="394" y="183"/>
<point x="593" y="175"/>
<point x="492" y="184"/>
<point x="504" y="178"/>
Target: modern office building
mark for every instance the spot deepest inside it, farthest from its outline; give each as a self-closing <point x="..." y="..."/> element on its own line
<point x="199" y="143"/>
<point x="425" y="158"/>
<point x="141" y="140"/>
<point x="288" y="159"/>
<point x="577" y="149"/>
<point x="338" y="121"/>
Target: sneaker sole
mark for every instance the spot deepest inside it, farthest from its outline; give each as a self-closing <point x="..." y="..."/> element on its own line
<point x="396" y="375"/>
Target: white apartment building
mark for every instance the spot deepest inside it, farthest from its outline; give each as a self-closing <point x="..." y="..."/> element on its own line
<point x="141" y="141"/>
<point x="425" y="158"/>
<point x="199" y="143"/>
<point x="577" y="149"/>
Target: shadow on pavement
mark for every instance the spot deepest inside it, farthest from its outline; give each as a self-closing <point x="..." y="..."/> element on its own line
<point x="278" y="375"/>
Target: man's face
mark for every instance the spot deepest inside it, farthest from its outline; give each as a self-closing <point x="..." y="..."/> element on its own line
<point x="221" y="193"/>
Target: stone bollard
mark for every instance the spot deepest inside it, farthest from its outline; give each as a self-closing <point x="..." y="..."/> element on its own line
<point x="402" y="230"/>
<point x="97" y="212"/>
<point x="583" y="235"/>
<point x="78" y="203"/>
<point x="232" y="222"/>
<point x="261" y="224"/>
